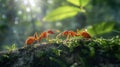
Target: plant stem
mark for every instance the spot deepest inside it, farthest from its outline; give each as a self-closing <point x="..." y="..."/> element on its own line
<point x="80" y="2"/>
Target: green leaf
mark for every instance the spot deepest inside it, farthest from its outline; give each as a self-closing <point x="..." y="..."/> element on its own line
<point x="79" y="2"/>
<point x="13" y="47"/>
<point x="7" y="47"/>
<point x="101" y="28"/>
<point x="61" y="13"/>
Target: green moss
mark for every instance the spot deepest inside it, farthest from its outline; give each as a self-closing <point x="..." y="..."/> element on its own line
<point x="75" y="52"/>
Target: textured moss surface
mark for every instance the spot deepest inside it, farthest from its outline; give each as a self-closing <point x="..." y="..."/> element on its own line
<point x="96" y="52"/>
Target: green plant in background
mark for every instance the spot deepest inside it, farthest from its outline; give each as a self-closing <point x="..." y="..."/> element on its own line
<point x="64" y="12"/>
<point x="101" y="28"/>
<point x="11" y="48"/>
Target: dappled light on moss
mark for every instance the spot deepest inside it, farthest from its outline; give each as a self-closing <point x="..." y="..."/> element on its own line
<point x="74" y="52"/>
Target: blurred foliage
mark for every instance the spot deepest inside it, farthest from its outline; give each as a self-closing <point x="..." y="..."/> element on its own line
<point x="101" y="28"/>
<point x="95" y="29"/>
<point x="64" y="12"/>
<point x="80" y="3"/>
